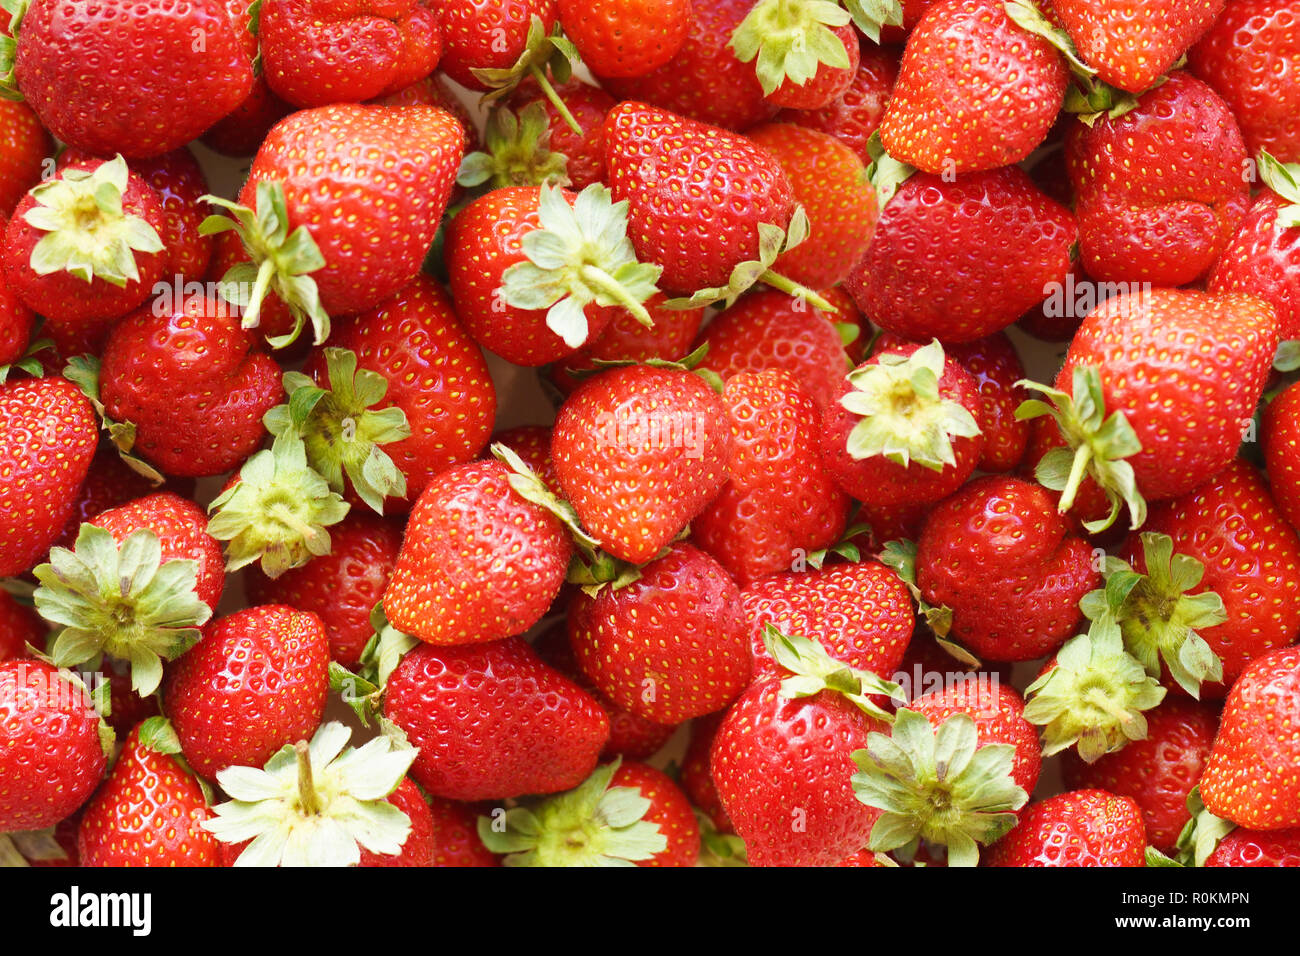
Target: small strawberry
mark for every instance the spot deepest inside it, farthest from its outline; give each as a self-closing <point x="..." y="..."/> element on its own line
<point x="24" y="145"/>
<point x="996" y="367"/>
<point x="857" y="113"/>
<point x="806" y="51"/>
<point x="624" y="38"/>
<point x="1078" y="828"/>
<point x="696" y="779"/>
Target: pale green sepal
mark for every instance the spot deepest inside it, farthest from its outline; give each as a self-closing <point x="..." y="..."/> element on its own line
<point x="813" y="671"/>
<point x="790" y="40"/>
<point x="871" y="15"/>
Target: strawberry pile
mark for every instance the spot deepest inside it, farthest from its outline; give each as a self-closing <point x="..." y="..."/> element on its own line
<point x="814" y="557"/>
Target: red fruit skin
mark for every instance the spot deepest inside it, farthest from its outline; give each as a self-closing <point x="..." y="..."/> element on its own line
<point x="48" y="436"/>
<point x="342" y="587"/>
<point x="483" y="241"/>
<point x="857" y="113"/>
<point x="478" y="563"/>
<point x="149" y="812"/>
<point x="927" y="668"/>
<point x="1160" y="190"/>
<point x="589" y="105"/>
<point x="862" y="614"/>
<point x="493" y="722"/>
<point x="1077" y="828"/>
<point x="455" y="836"/>
<point x="961" y="260"/>
<point x="407" y="155"/>
<point x="19" y="626"/>
<point x="1255" y="848"/>
<point x="16" y="320"/>
<point x="696" y="778"/>
<point x="1008" y="565"/>
<point x="436" y="374"/>
<point x="640" y="451"/>
<point x="669" y="810"/>
<point x="182" y="530"/>
<point x="671" y="645"/>
<point x="193" y="382"/>
<point x="110" y="482"/>
<point x="975" y="90"/>
<point x="532" y="443"/>
<point x="127" y="707"/>
<point x="1265" y="261"/>
<point x="1245" y="56"/>
<point x="422" y="843"/>
<point x="831" y="184"/>
<point x="826" y="85"/>
<point x="877" y="480"/>
<point x="779" y="502"/>
<point x="657" y="161"/>
<point x="256" y="681"/>
<point x="317" y="52"/>
<point x="50" y="756"/>
<point x="704" y="80"/>
<point x="244" y="128"/>
<point x="24" y="145"/>
<point x="626" y="38"/>
<point x="1281" y="438"/>
<point x="1130" y="43"/>
<point x="1186" y="368"/>
<point x="487" y="34"/>
<point x="1158" y="772"/>
<point x="163" y="90"/>
<point x="996" y="367"/>
<point x="778" y="762"/>
<point x="1252" y="776"/>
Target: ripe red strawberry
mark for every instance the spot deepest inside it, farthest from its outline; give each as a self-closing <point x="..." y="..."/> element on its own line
<point x="455" y="835"/>
<point x="904" y="428"/>
<point x="24" y="145"/>
<point x="166" y="87"/>
<point x="857" y="113"/>
<point x="1157" y="772"/>
<point x="532" y="443"/>
<point x="192" y="382"/>
<point x="831" y="184"/>
<point x="150" y="810"/>
<point x="1008" y="566"/>
<point x="705" y="80"/>
<point x="1161" y="189"/>
<point x="52" y="754"/>
<point x="625" y="339"/>
<point x="487" y="34"/>
<point x="48" y="435"/>
<point x="492" y="721"/>
<point x="1131" y="43"/>
<point x="109" y="483"/>
<point x="996" y="367"/>
<point x="806" y="53"/>
<point x="19" y="626"/>
<point x="584" y="153"/>
<point x="1281" y="438"/>
<point x="622" y="38"/>
<point x="669" y="646"/>
<point x="1244" y="56"/>
<point x="17" y="322"/>
<point x="975" y="90"/>
<point x="1077" y="828"/>
<point x="317" y="52"/>
<point x="1257" y="848"/>
<point x="640" y="451"/>
<point x="422" y="843"/>
<point x="255" y="682"/>
<point x="479" y="562"/>
<point x="963" y="259"/>
<point x="696" y="779"/>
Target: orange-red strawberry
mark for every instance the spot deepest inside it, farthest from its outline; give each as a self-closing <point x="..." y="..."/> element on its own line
<point x="857" y="113"/>
<point x="24" y="145"/>
<point x="1078" y="828"/>
<point x="626" y="38"/>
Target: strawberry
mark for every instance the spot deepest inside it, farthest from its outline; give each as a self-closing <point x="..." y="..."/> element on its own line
<point x="1281" y="438"/>
<point x="1244" y="55"/>
<point x="1132" y="43"/>
<point x="1008" y="566"/>
<point x="806" y="51"/>
<point x="1161" y="189"/>
<point x="487" y="34"/>
<point x="640" y="451"/>
<point x="317" y="52"/>
<point x="422" y="843"/>
<point x="996" y="368"/>
<point x="491" y="721"/>
<point x="150" y="810"/>
<point x="1077" y="828"/>
<point x="976" y="90"/>
<point x="622" y="38"/>
<point x="696" y="780"/>
<point x="19" y="626"/>
<point x="52" y="745"/>
<point x="1251" y="776"/>
<point x="455" y="835"/>
<point x="48" y="436"/>
<point x="532" y="444"/>
<point x="584" y="153"/>
<point x="165" y="88"/>
<point x="857" y="113"/>
<point x="963" y="259"/>
<point x="669" y="646"/>
<point x="24" y="145"/>
<point x="479" y="561"/>
<point x="243" y="128"/>
<point x="1257" y="848"/>
<point x="17" y="323"/>
<point x="255" y="682"/>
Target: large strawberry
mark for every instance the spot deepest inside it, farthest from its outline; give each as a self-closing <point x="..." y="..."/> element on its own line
<point x="624" y="37"/>
<point x="1077" y="828"/>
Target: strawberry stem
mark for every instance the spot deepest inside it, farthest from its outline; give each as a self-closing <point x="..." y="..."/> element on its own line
<point x="253" y="310"/>
<point x="796" y="290"/>
<point x="606" y="283"/>
<point x="1078" y="469"/>
<point x="549" y="92"/>
<point x="306" y="786"/>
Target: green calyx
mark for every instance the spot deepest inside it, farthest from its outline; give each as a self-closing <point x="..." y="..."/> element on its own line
<point x="871" y="15"/>
<point x="25" y="847"/>
<point x="518" y="152"/>
<point x="593" y="824"/>
<point x="813" y="671"/>
<point x="579" y="256"/>
<point x="544" y="54"/>
<point x="83" y="371"/>
<point x="885" y="173"/>
<point x="281" y="262"/>
<point x="846" y="548"/>
<point x="363" y="690"/>
<point x="791" y="40"/>
<point x="121" y="601"/>
<point x="1157" y="618"/>
<point x="718" y="849"/>
<point x="1093" y="697"/>
<point x="17" y="9"/>
<point x="28" y="361"/>
<point x="900" y="556"/>
<point x="937" y="785"/>
<point x="1097" y="445"/>
<point x="87" y="233"/>
<point x="1201" y="834"/>
<point x="903" y="416"/>
<point x="1283" y="179"/>
<point x="316" y="804"/>
<point x="277" y="512"/>
<point x="341" y="433"/>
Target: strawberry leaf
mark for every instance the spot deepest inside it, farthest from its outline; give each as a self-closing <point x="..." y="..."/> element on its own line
<point x="791" y="40"/>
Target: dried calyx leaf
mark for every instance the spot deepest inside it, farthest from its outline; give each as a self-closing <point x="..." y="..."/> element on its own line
<point x="791" y="40"/>
<point x="544" y="54"/>
<point x="83" y="371"/>
<point x="518" y="152"/>
<point x="813" y="671"/>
